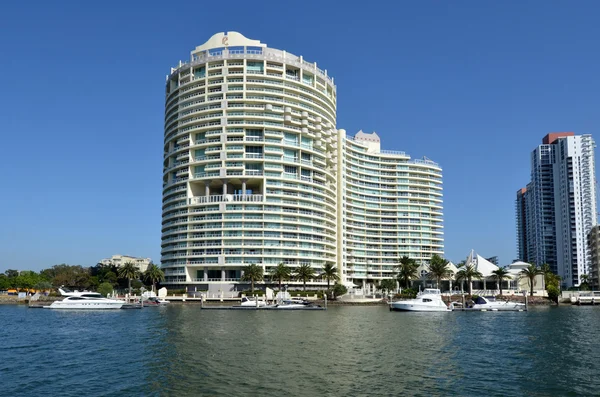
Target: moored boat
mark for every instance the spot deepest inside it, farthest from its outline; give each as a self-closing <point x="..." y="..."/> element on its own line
<point x="490" y="303"/>
<point x="85" y="300"/>
<point x="429" y="300"/>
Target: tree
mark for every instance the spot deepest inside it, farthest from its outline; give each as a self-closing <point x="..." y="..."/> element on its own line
<point x="438" y="269"/>
<point x="387" y="285"/>
<point x="339" y="290"/>
<point x="281" y="273"/>
<point x="553" y="293"/>
<point x="26" y="279"/>
<point x="70" y="276"/>
<point x="407" y="270"/>
<point x="154" y="274"/>
<point x="129" y="271"/>
<point x="468" y="273"/>
<point x="304" y="273"/>
<point x="584" y="285"/>
<point x="330" y="273"/>
<point x="4" y="282"/>
<point x="546" y="271"/>
<point x="105" y="288"/>
<point x="43" y="286"/>
<point x="552" y="280"/>
<point x="253" y="273"/>
<point x="106" y="273"/>
<point x="500" y="275"/>
<point x="11" y="273"/>
<point x="530" y="272"/>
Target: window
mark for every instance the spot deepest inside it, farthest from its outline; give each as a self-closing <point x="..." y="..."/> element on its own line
<point x="254" y="149"/>
<point x="200" y="72"/>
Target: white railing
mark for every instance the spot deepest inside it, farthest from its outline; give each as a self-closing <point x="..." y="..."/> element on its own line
<point x="227" y="198"/>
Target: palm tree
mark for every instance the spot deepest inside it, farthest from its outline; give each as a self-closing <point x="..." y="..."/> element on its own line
<point x="330" y="273"/>
<point x="281" y="273"/>
<point x="546" y="271"/>
<point x="129" y="271"/>
<point x="438" y="269"/>
<point x="154" y="274"/>
<point x="530" y="272"/>
<point x="387" y="285"/>
<point x="253" y="273"/>
<point x="500" y="275"/>
<point x="468" y="273"/>
<point x="584" y="285"/>
<point x="407" y="270"/>
<point x="305" y="272"/>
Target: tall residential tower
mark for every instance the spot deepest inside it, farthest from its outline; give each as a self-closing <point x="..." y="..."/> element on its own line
<point x="558" y="208"/>
<point x="255" y="172"/>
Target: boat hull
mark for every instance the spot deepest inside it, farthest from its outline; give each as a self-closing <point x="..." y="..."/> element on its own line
<point x="513" y="306"/>
<point x="85" y="306"/>
<point x="415" y="307"/>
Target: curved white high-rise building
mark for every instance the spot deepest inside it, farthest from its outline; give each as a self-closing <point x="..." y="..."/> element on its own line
<point x="255" y="172"/>
<point x="249" y="162"/>
<point x="392" y="207"/>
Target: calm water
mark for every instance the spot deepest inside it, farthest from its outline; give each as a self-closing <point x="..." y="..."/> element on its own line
<point x="345" y="351"/>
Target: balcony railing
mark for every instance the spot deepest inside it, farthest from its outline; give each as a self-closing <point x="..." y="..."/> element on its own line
<point x="227" y="198"/>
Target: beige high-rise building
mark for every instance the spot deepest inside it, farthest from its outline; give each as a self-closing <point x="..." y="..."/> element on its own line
<point x="120" y="260"/>
<point x="255" y="172"/>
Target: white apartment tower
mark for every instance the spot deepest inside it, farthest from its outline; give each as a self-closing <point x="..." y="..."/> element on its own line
<point x="391" y="206"/>
<point x="559" y="206"/>
<point x="255" y="172"/>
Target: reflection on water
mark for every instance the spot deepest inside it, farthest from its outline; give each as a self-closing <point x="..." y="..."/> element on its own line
<point x="181" y="350"/>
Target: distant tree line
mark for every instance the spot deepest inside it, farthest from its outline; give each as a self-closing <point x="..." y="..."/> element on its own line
<point x="79" y="277"/>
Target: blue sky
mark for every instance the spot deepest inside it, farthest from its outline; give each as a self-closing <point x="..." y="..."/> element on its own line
<point x="472" y="85"/>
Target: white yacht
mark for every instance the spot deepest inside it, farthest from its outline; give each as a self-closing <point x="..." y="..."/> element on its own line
<point x="84" y="300"/>
<point x="293" y="303"/>
<point x="490" y="303"/>
<point x="429" y="300"/>
<point x="252" y="302"/>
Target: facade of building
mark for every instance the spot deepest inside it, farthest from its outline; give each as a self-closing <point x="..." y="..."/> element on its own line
<point x="391" y="206"/>
<point x="120" y="260"/>
<point x="593" y="241"/>
<point x="521" y="216"/>
<point x="255" y="172"/>
<point x="559" y="206"/>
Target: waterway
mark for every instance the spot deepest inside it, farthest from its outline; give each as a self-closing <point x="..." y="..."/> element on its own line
<point x="181" y="350"/>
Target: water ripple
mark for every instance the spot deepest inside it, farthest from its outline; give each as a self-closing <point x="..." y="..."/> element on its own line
<point x="359" y="351"/>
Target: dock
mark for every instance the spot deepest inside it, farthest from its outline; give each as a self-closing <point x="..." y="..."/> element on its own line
<point x="261" y="308"/>
<point x="470" y="309"/>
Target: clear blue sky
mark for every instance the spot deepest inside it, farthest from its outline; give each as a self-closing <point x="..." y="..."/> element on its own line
<point x="473" y="85"/>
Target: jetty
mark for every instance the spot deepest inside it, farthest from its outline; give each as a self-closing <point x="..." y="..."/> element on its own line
<point x="262" y="308"/>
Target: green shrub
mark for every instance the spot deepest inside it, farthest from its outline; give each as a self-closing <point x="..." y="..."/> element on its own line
<point x="407" y="293"/>
<point x="339" y="290"/>
<point x="105" y="288"/>
<point x="553" y="293"/>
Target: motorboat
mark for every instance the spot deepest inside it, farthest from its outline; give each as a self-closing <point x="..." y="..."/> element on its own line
<point x="87" y="301"/>
<point x="490" y="303"/>
<point x="252" y="302"/>
<point x="428" y="300"/>
<point x="155" y="301"/>
<point x="294" y="303"/>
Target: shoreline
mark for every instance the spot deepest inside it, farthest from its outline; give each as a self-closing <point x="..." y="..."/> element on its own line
<point x="532" y="301"/>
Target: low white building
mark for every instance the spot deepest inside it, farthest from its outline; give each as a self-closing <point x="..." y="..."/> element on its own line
<point x="120" y="260"/>
<point x="521" y="283"/>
